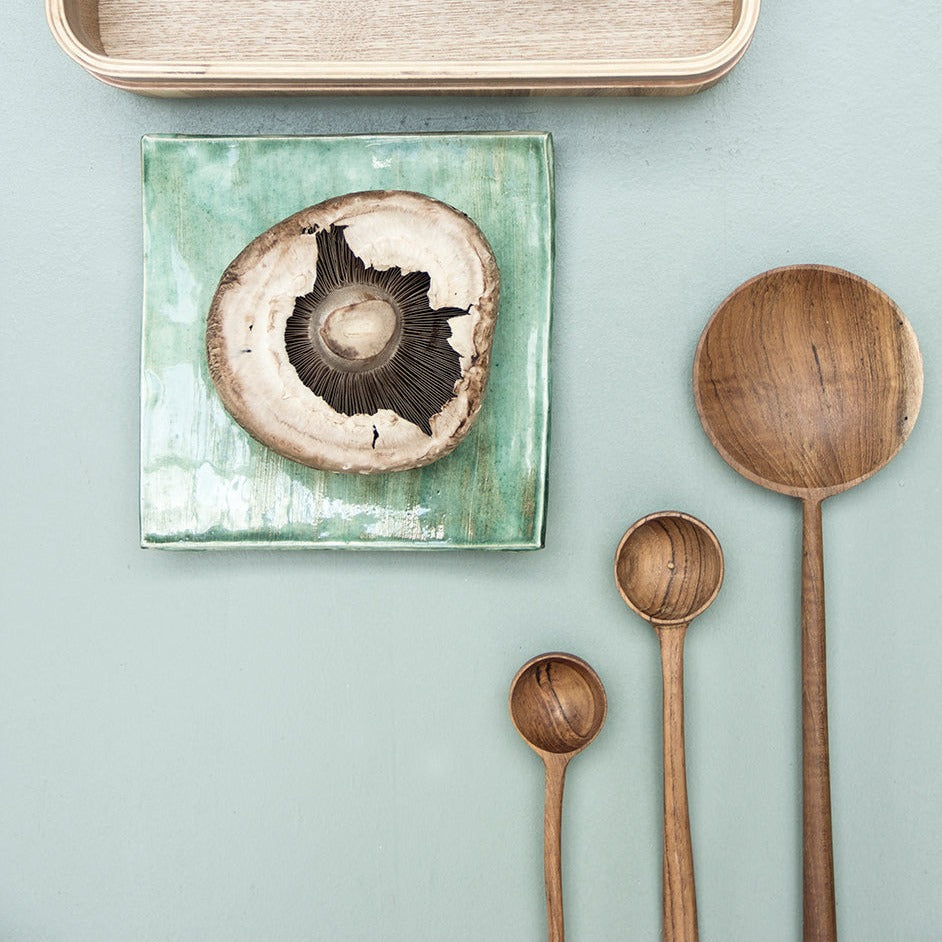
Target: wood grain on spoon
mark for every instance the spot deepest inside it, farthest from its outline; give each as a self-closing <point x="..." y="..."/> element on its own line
<point x="808" y="380"/>
<point x="669" y="569"/>
<point x="558" y="705"/>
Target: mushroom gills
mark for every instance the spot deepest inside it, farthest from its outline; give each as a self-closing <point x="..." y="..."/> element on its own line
<point x="366" y="339"/>
<point x="371" y="319"/>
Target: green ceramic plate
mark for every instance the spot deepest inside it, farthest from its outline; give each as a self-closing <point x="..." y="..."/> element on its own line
<point x="205" y="483"/>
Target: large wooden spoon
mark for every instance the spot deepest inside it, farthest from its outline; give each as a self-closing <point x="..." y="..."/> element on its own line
<point x="669" y="568"/>
<point x="558" y="705"/>
<point x="808" y="380"/>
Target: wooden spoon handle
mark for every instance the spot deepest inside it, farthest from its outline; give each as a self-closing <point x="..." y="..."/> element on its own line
<point x="680" y="900"/>
<point x="820" y="919"/>
<point x="552" y="854"/>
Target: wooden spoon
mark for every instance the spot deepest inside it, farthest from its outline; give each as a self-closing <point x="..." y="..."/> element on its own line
<point x="558" y="705"/>
<point x="808" y="380"/>
<point x="669" y="568"/>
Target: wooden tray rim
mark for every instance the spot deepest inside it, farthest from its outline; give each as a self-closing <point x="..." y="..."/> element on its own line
<point x="295" y="75"/>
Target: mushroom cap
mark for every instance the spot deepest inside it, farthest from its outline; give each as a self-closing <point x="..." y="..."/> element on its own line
<point x="356" y="330"/>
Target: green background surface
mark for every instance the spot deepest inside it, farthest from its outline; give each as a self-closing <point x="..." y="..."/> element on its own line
<point x="232" y="747"/>
<point x="204" y="481"/>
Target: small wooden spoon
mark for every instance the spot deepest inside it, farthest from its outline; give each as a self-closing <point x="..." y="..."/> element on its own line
<point x="808" y="380"/>
<point x="669" y="568"/>
<point x="558" y="705"/>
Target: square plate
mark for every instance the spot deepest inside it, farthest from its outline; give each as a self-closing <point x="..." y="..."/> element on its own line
<point x="205" y="483"/>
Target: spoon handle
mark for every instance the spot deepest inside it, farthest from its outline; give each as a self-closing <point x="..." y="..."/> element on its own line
<point x="552" y="854"/>
<point x="680" y="899"/>
<point x="820" y="919"/>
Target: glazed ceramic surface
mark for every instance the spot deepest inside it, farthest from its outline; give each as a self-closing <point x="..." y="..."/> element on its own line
<point x="204" y="482"/>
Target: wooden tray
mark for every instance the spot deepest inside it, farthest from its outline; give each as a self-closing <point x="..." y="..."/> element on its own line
<point x="240" y="47"/>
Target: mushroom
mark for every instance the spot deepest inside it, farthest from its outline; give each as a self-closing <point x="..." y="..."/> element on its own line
<point x="356" y="334"/>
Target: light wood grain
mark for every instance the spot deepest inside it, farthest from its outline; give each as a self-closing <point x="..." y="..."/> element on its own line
<point x="808" y="380"/>
<point x="219" y="46"/>
<point x="409" y="30"/>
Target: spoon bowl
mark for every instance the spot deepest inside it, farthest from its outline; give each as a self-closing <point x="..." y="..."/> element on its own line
<point x="669" y="569"/>
<point x="808" y="380"/>
<point x="558" y="705"/>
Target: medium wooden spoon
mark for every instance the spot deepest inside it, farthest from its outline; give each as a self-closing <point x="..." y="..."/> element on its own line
<point x="808" y="380"/>
<point x="558" y="705"/>
<point x="669" y="568"/>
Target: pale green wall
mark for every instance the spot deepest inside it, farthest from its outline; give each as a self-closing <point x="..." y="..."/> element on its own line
<point x="315" y="746"/>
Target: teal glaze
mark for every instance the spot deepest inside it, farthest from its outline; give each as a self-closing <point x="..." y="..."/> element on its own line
<point x="204" y="481"/>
